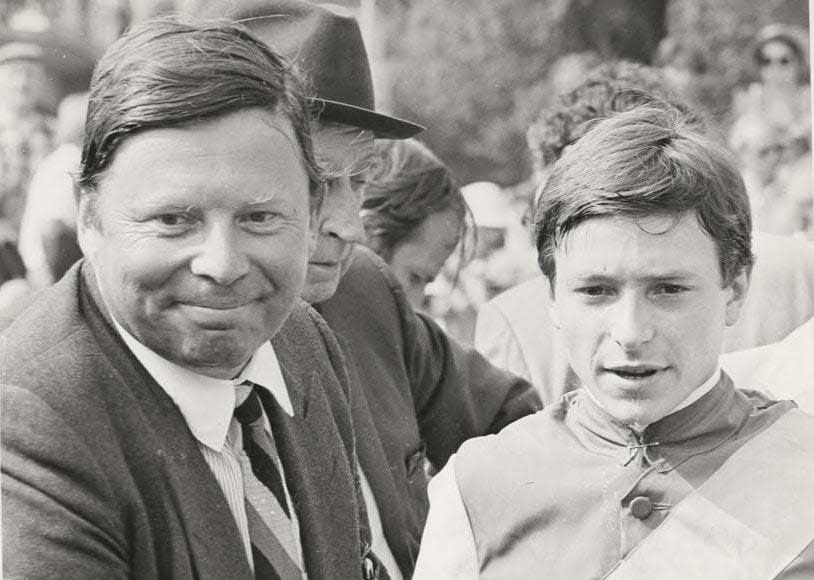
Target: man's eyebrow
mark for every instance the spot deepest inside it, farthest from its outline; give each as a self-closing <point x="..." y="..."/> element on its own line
<point x="668" y="276"/>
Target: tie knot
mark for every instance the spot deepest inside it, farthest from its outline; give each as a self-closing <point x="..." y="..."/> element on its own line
<point x="249" y="410"/>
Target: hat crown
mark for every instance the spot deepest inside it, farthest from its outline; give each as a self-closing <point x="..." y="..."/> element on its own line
<point x="326" y="43"/>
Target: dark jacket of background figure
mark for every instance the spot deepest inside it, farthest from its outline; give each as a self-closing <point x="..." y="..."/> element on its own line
<point x="420" y="395"/>
<point x="102" y="478"/>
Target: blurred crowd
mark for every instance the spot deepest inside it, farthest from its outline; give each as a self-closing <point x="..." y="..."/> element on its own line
<point x="454" y="245"/>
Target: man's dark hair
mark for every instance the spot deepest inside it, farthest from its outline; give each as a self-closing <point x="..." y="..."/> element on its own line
<point x="177" y="72"/>
<point x="651" y="160"/>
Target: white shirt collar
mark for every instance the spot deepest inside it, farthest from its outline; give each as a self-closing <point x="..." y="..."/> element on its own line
<point x="699" y="392"/>
<point x="207" y="404"/>
<point x="705" y="387"/>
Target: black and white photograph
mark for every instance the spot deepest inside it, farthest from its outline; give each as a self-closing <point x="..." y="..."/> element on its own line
<point x="406" y="289"/>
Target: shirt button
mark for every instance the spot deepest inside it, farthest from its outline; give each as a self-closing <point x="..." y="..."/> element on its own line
<point x="641" y="507"/>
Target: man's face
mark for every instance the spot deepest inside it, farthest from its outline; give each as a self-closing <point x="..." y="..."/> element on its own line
<point x="346" y="153"/>
<point x="417" y="260"/>
<point x="200" y="238"/>
<point x="642" y="314"/>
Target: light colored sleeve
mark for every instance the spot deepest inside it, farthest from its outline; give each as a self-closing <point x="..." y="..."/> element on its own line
<point x="496" y="341"/>
<point x="448" y="549"/>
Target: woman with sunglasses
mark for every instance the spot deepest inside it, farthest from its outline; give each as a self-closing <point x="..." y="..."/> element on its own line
<point x="771" y="135"/>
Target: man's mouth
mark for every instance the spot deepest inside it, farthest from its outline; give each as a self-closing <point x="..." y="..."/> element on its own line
<point x="633" y="372"/>
<point x="218" y="303"/>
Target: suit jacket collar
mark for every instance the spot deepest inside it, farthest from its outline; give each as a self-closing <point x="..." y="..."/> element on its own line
<point x="207" y="404"/>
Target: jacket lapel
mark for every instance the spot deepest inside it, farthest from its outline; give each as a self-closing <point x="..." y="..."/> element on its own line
<point x="317" y="471"/>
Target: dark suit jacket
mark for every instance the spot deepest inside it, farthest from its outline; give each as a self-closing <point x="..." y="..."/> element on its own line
<point x="418" y="394"/>
<point x="103" y="479"/>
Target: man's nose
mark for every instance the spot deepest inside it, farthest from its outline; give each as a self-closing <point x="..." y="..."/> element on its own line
<point x="219" y="256"/>
<point x="340" y="213"/>
<point x="631" y="324"/>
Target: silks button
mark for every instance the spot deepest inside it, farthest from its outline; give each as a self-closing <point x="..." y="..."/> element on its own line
<point x="641" y="507"/>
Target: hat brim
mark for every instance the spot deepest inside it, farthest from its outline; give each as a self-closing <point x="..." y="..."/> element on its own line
<point x="383" y="126"/>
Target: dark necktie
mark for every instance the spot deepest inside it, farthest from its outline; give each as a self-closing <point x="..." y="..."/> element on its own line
<point x="274" y="546"/>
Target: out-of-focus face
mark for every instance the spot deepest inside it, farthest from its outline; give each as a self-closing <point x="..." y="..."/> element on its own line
<point x="642" y="314"/>
<point x="778" y="64"/>
<point x="201" y="238"/>
<point x="346" y="153"/>
<point x="417" y="260"/>
<point x="21" y="84"/>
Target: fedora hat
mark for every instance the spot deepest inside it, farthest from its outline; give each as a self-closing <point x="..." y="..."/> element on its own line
<point x="325" y="42"/>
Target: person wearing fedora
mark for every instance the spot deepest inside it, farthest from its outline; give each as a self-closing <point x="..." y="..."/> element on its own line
<point x="417" y="394"/>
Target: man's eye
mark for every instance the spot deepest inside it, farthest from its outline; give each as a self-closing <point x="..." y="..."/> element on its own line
<point x="259" y="217"/>
<point x="260" y="221"/>
<point x="593" y="291"/>
<point x="172" y="219"/>
<point x="670" y="289"/>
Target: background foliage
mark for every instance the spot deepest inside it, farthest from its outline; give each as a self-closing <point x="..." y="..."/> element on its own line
<point x="474" y="71"/>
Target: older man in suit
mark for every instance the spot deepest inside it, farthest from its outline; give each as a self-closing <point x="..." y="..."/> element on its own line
<point x="417" y="394"/>
<point x="150" y="427"/>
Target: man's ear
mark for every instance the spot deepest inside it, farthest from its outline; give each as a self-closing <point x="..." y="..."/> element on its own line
<point x="87" y="226"/>
<point x="739" y="288"/>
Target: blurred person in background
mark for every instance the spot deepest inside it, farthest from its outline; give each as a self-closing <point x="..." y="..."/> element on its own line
<point x="14" y="284"/>
<point x="515" y="331"/>
<point x="48" y="230"/>
<point x="413" y="212"/>
<point x="771" y="133"/>
<point x="26" y="132"/>
<point x="781" y="92"/>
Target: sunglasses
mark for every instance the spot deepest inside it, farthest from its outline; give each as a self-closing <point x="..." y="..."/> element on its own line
<point x="782" y="60"/>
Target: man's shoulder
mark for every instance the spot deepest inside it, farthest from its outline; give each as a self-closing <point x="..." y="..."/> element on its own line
<point x="367" y="274"/>
<point x="44" y="325"/>
<point x="537" y="433"/>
